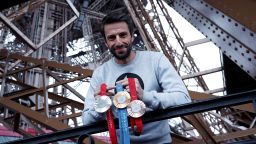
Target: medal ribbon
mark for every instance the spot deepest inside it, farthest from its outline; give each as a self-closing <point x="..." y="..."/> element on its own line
<point x="123" y="123"/>
<point x="109" y="116"/>
<point x="133" y="93"/>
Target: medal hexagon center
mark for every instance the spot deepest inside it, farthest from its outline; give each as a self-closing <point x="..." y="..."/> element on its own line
<point x="121" y="99"/>
<point x="135" y="107"/>
<point x="101" y="103"/>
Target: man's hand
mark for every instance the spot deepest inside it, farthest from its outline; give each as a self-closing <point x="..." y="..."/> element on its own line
<point x="108" y="93"/>
<point x="139" y="90"/>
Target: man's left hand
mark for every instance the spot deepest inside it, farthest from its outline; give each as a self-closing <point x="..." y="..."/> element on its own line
<point x="139" y="90"/>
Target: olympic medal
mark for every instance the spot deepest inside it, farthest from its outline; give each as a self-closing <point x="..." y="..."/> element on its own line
<point x="121" y="99"/>
<point x="136" y="108"/>
<point x="102" y="103"/>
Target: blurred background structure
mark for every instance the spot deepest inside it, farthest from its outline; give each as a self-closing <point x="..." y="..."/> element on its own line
<point x="49" y="49"/>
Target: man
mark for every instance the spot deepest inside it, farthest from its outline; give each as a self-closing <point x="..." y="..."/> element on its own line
<point x="157" y="83"/>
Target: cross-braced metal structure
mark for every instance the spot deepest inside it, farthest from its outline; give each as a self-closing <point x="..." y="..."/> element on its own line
<point x="45" y="45"/>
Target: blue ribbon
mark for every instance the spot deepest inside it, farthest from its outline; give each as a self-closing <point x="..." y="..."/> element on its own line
<point x="123" y="122"/>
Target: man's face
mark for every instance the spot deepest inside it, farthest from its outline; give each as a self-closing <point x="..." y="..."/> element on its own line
<point x="118" y="39"/>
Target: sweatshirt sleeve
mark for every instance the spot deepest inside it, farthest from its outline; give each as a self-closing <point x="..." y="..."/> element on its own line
<point x="89" y="114"/>
<point x="174" y="92"/>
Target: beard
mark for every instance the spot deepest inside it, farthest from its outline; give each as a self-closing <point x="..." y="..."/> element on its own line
<point x="122" y="55"/>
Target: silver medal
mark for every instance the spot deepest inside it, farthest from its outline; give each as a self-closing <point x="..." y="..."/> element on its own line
<point x="102" y="103"/>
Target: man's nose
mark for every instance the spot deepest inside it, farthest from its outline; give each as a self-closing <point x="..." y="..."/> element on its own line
<point x="119" y="40"/>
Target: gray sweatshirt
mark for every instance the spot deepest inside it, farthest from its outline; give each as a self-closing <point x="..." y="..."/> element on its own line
<point x="162" y="86"/>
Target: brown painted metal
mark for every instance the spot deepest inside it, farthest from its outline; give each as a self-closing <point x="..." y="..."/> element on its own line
<point x="69" y="116"/>
<point x="67" y="86"/>
<point x="6" y="21"/>
<point x="36" y="116"/>
<point x="32" y="45"/>
<point x="203" y="96"/>
<point x="165" y="48"/>
<point x="3" y="81"/>
<point x="53" y="64"/>
<point x="196" y="141"/>
<point x="143" y="32"/>
<point x="62" y="82"/>
<point x="53" y="107"/>
<point x="30" y="7"/>
<point x="73" y="103"/>
<point x="242" y="11"/>
<point x="52" y="123"/>
<point x="197" y="121"/>
<point x="21" y="70"/>
<point x="23" y="93"/>
<point x="233" y="135"/>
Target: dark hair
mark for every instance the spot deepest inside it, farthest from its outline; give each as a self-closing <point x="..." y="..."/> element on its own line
<point x="118" y="15"/>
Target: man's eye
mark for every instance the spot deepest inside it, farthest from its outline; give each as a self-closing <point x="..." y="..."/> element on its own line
<point x="111" y="37"/>
<point x="123" y="35"/>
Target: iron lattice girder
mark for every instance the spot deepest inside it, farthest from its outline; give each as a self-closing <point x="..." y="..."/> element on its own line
<point x="167" y="50"/>
<point x="235" y="40"/>
<point x="176" y="111"/>
<point x="52" y="64"/>
<point x="133" y="10"/>
<point x="11" y="3"/>
<point x="98" y="4"/>
<point x="245" y="13"/>
<point x="194" y="67"/>
<point x="33" y="90"/>
<point x="52" y="123"/>
<point x="33" y="46"/>
<point x="197" y="121"/>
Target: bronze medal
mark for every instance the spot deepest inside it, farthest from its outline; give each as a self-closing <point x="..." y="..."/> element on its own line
<point x="121" y="99"/>
<point x="136" y="108"/>
<point x="102" y="103"/>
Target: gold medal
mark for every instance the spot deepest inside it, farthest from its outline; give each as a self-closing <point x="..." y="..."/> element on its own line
<point x="121" y="99"/>
<point x="136" y="108"/>
<point x="102" y="103"/>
